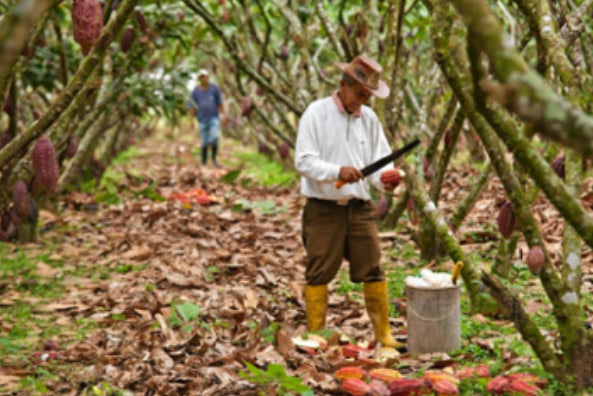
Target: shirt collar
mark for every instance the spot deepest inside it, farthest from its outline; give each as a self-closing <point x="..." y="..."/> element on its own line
<point x="341" y="107"/>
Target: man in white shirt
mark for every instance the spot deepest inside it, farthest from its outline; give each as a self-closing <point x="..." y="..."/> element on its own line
<point x="338" y="136"/>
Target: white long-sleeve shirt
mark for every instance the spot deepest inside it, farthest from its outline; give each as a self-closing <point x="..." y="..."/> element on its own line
<point x="329" y="138"/>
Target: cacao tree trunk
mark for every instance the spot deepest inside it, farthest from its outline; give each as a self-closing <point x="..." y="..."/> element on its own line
<point x="74" y="86"/>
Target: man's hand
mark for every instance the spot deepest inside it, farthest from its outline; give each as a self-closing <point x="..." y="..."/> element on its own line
<point x="392" y="178"/>
<point x="223" y="120"/>
<point x="350" y="174"/>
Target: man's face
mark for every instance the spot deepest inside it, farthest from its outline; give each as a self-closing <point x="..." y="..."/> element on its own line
<point x="353" y="96"/>
<point x="203" y="79"/>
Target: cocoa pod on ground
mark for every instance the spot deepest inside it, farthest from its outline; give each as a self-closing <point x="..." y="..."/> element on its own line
<point x="378" y="388"/>
<point x="350" y="372"/>
<point x="87" y="23"/>
<point x="356" y="387"/>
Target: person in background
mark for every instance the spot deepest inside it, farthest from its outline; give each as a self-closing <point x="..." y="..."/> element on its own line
<point x="206" y="104"/>
<point x="337" y="136"/>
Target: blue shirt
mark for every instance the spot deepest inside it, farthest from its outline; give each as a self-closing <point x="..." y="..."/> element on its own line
<point x="206" y="102"/>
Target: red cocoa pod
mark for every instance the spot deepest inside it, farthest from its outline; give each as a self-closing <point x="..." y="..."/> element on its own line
<point x="45" y="163"/>
<point x="356" y="387"/>
<point x="126" y="40"/>
<point x="87" y="23"/>
<point x="259" y="91"/>
<point x="225" y="17"/>
<point x="412" y="211"/>
<point x="246" y="106"/>
<point x="428" y="170"/>
<point x="349" y="28"/>
<point x="181" y="16"/>
<point x="141" y="21"/>
<point x="350" y="372"/>
<point x="15" y="219"/>
<point x="381" y="45"/>
<point x="483" y="371"/>
<point x="9" y="105"/>
<point x="5" y="138"/>
<point x="447" y="139"/>
<point x="353" y="351"/>
<point x="384" y="374"/>
<point x="558" y="166"/>
<point x="392" y="176"/>
<point x="506" y="220"/>
<point x="536" y="259"/>
<point x="5" y="221"/>
<point x="20" y="199"/>
<point x="444" y="387"/>
<point x="284" y="52"/>
<point x="382" y="207"/>
<point x="51" y="345"/>
<point x="497" y="385"/>
<point x="378" y="388"/>
<point x="408" y="386"/>
<point x="284" y="150"/>
<point x="466" y="372"/>
<point x="72" y="146"/>
<point x="522" y="387"/>
<point x="527" y="377"/>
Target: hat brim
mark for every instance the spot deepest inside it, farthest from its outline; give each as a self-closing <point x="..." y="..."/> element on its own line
<point x="382" y="91"/>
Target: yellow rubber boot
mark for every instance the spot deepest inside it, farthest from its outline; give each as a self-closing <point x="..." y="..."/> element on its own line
<point x="316" y="306"/>
<point x="375" y="298"/>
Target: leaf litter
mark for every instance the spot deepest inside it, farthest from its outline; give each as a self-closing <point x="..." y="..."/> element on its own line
<point x="193" y="291"/>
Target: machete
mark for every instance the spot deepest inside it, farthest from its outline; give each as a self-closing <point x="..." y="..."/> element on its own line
<point x="375" y="166"/>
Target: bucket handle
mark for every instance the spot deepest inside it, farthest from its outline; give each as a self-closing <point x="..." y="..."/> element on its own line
<point x="424" y="318"/>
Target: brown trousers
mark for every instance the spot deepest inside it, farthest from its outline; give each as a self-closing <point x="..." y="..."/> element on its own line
<point x="332" y="232"/>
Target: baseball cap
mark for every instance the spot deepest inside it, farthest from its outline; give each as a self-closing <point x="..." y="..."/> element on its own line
<point x="202" y="72"/>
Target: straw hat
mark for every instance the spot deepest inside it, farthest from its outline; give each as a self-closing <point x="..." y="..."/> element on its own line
<point x="366" y="72"/>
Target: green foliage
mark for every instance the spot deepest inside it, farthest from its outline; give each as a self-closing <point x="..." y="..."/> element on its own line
<point x="267" y="207"/>
<point x="265" y="171"/>
<point x="275" y="378"/>
<point x="183" y="312"/>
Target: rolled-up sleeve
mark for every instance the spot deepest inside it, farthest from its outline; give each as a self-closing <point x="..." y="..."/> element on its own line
<point x="381" y="149"/>
<point x="307" y="159"/>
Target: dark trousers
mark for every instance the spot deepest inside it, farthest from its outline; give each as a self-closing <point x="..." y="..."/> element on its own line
<point x="332" y="232"/>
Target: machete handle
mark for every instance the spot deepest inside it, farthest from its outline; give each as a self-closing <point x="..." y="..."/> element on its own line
<point x="340" y="183"/>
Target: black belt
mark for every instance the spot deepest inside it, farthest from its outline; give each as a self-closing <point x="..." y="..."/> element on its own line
<point x="341" y="202"/>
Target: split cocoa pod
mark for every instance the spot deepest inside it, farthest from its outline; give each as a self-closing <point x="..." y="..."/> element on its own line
<point x="392" y="176"/>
